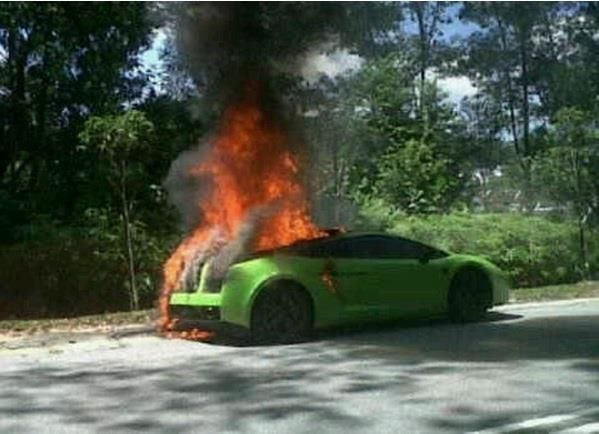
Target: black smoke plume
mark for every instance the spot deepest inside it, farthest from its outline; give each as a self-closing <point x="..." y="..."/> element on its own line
<point x="226" y="45"/>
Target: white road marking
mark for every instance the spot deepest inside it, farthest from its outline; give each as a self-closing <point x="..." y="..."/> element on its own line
<point x="588" y="428"/>
<point x="530" y="423"/>
<point x="548" y="420"/>
<point x="555" y="419"/>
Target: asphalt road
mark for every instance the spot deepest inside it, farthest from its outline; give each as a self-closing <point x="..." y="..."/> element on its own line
<point x="531" y="368"/>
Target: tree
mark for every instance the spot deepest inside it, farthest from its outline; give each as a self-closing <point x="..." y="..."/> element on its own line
<point x="429" y="16"/>
<point x="381" y="98"/>
<point x="484" y="149"/>
<point x="63" y="62"/>
<point x="500" y="58"/>
<point x="336" y="141"/>
<point x="566" y="60"/>
<point x="569" y="169"/>
<point x="415" y="178"/>
<point x="119" y="139"/>
<point x="384" y="98"/>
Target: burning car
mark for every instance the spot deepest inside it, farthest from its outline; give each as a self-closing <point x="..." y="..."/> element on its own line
<point x="253" y="256"/>
<point x="283" y="294"/>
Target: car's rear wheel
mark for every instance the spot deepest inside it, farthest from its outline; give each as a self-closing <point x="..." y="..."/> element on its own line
<point x="469" y="296"/>
<point x="282" y="313"/>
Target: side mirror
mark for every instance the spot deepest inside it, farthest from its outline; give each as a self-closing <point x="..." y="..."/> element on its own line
<point x="425" y="257"/>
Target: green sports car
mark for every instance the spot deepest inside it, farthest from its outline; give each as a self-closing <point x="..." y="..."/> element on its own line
<point x="283" y="294"/>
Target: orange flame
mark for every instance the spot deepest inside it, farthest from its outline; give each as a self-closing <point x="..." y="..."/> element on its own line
<point x="251" y="166"/>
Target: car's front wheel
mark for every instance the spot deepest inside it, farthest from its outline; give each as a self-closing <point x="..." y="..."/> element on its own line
<point x="282" y="313"/>
<point x="469" y="296"/>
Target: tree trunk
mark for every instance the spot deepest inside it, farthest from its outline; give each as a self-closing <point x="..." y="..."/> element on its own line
<point x="4" y="143"/>
<point x="336" y="185"/>
<point x="525" y="102"/>
<point x="526" y="151"/>
<point x="510" y="92"/>
<point x="583" y="247"/>
<point x="521" y="151"/>
<point x="424" y="42"/>
<point x="133" y="295"/>
<point x="38" y="144"/>
<point x="581" y="210"/>
<point x="422" y="38"/>
<point x="17" y="63"/>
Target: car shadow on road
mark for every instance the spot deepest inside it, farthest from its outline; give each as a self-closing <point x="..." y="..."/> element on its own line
<point x="499" y="337"/>
<point x="502" y="337"/>
<point x="242" y="339"/>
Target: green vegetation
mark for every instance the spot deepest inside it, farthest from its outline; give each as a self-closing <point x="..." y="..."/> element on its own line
<point x="532" y="250"/>
<point x="118" y="139"/>
<point x="79" y="271"/>
<point x="87" y="135"/>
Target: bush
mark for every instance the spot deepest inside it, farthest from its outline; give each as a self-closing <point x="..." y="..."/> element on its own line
<point x="59" y="272"/>
<point x="106" y="233"/>
<point x="532" y="250"/>
<point x="61" y="277"/>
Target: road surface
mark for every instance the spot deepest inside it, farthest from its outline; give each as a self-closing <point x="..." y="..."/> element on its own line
<point x="531" y="368"/>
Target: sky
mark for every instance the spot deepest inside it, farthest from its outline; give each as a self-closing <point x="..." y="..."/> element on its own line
<point x="316" y="64"/>
<point x="151" y="57"/>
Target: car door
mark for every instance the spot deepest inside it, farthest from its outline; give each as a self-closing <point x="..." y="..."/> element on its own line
<point x="415" y="278"/>
<point x="358" y="274"/>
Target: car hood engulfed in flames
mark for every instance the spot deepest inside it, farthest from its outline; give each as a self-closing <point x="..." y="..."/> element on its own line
<point x="209" y="275"/>
<point x="245" y="194"/>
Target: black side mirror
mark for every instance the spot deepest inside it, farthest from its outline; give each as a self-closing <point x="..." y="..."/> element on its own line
<point x="425" y="257"/>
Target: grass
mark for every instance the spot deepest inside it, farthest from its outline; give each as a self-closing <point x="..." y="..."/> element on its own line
<point x="104" y="321"/>
<point x="555" y="292"/>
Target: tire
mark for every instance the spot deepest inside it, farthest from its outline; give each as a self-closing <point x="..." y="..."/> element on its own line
<point x="282" y="313"/>
<point x="469" y="296"/>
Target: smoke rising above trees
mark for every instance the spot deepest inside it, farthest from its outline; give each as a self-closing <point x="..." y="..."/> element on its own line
<point x="224" y="43"/>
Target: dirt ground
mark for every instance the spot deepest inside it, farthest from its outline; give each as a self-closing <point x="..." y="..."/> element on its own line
<point x="58" y="340"/>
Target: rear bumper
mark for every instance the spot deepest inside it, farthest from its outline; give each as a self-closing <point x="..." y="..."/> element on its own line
<point x="199" y="313"/>
<point x="202" y="317"/>
<point x="195" y="310"/>
<point x="195" y="299"/>
<point x="232" y="303"/>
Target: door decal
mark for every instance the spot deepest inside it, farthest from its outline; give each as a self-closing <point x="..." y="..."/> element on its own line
<point x="328" y="276"/>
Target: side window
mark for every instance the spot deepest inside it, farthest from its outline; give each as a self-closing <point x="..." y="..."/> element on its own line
<point x="331" y="248"/>
<point x="359" y="247"/>
<point x="364" y="247"/>
<point x="406" y="249"/>
<point x="370" y="247"/>
<point x="339" y="248"/>
<point x="380" y="247"/>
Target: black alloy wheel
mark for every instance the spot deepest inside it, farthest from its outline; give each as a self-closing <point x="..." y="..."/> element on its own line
<point x="468" y="296"/>
<point x="281" y="314"/>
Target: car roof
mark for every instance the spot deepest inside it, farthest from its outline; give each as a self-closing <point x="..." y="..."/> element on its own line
<point x="332" y="234"/>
